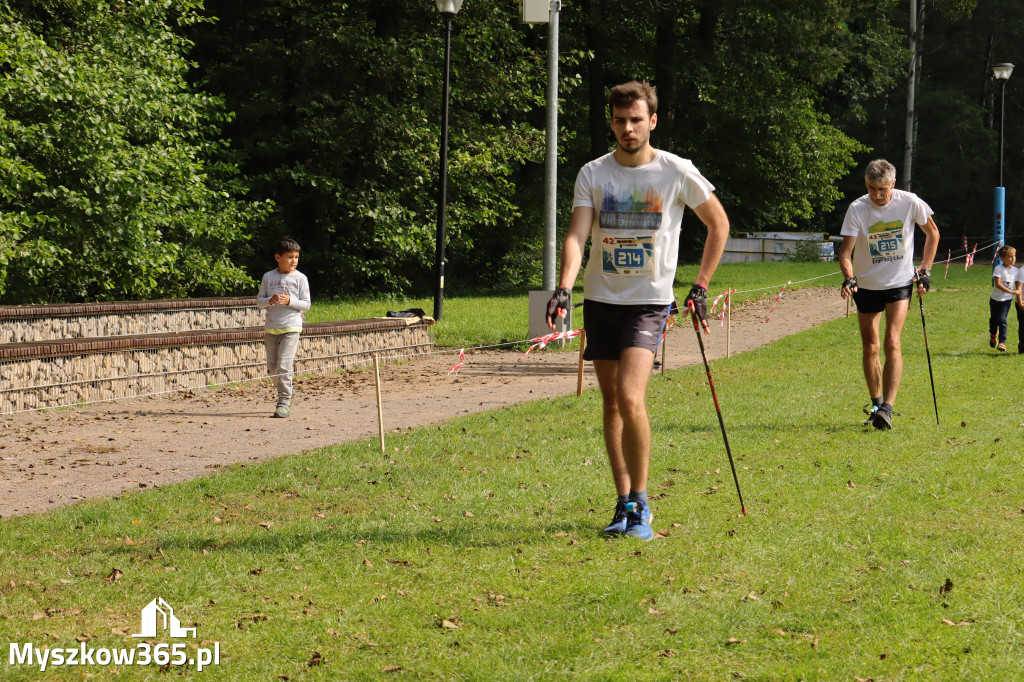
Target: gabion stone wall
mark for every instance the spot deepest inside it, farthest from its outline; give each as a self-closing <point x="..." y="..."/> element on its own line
<point x="54" y="374"/>
<point x="31" y="323"/>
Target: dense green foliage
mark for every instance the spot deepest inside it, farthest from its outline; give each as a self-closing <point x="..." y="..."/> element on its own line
<point x="338" y="122"/>
<point x="341" y="128"/>
<point x="108" y="185"/>
<point x="745" y="89"/>
<point x="144" y="143"/>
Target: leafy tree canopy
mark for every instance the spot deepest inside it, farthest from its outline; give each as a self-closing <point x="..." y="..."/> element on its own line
<point x="107" y="184"/>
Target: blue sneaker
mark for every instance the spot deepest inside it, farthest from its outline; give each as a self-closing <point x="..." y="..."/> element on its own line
<point x="638" y="520"/>
<point x="618" y="524"/>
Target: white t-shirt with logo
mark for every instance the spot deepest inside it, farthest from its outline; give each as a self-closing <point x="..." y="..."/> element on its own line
<point x="638" y="212"/>
<point x="883" y="256"/>
<point x="1008" y="276"/>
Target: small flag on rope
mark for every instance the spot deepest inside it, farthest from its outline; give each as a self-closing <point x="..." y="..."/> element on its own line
<point x="777" y="301"/>
<point x="949" y="255"/>
<point x="542" y="341"/>
<point x="462" y="357"/>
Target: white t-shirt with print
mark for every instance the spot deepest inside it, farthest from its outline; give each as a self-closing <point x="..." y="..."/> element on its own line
<point x="638" y="212"/>
<point x="883" y="256"/>
<point x="1008" y="276"/>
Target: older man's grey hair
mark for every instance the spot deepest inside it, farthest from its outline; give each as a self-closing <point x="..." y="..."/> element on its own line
<point x="881" y="172"/>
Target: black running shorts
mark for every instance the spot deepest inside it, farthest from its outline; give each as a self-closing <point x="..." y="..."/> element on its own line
<point x="611" y="328"/>
<point x="875" y="300"/>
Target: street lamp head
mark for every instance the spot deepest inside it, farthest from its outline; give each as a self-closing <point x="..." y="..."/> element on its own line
<point x="453" y="7"/>
<point x="1002" y="71"/>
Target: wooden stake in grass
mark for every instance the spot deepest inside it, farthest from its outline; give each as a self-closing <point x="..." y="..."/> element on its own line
<point x="579" y="373"/>
<point x="380" y="410"/>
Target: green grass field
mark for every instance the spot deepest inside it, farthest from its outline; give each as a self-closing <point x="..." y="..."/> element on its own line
<point x="471" y="551"/>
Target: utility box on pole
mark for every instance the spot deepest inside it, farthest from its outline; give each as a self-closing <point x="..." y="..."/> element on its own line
<point x="534" y="11"/>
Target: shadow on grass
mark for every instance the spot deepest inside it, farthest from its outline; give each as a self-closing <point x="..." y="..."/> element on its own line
<point x="982" y="353"/>
<point x="463" y="535"/>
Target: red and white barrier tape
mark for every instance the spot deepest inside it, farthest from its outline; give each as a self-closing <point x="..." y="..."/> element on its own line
<point x="777" y="301"/>
<point x="725" y="306"/>
<point x="949" y="255"/>
<point x="669" y="322"/>
<point x="542" y="341"/>
<point x="462" y="358"/>
<point x="969" y="261"/>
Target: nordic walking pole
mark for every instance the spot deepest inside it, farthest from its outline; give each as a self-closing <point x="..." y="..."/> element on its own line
<point x="718" y="409"/>
<point x="924" y="328"/>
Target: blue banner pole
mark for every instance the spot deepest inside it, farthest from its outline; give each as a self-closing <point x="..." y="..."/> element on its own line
<point x="998" y="223"/>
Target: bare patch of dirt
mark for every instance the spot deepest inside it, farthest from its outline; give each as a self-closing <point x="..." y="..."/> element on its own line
<point x="55" y="458"/>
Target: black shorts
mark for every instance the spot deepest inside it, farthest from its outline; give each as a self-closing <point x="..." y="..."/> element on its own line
<point x="611" y="328"/>
<point x="875" y="300"/>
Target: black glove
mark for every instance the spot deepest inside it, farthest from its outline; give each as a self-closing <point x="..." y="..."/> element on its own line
<point x="924" y="278"/>
<point x="849" y="283"/>
<point x="697" y="300"/>
<point x="559" y="305"/>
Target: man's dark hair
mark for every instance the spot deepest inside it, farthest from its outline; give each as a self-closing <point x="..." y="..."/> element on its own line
<point x="634" y="91"/>
<point x="286" y="244"/>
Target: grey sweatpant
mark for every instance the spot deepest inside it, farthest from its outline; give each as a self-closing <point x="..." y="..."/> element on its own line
<point x="281" y="350"/>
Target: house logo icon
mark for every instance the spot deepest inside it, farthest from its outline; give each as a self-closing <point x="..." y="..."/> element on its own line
<point x="159" y="612"/>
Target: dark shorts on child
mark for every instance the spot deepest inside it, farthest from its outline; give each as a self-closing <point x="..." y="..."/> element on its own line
<point x="875" y="300"/>
<point x="611" y="328"/>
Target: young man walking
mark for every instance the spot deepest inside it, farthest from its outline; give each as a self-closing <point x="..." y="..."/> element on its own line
<point x="877" y="260"/>
<point x="630" y="204"/>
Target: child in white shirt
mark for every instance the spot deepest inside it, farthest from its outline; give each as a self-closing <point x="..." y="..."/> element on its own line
<point x="1004" y="290"/>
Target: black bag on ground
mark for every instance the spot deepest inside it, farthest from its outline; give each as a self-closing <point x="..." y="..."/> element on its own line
<point x="411" y="312"/>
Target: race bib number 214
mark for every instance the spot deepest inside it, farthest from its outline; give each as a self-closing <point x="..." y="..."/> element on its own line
<point x="631" y="255"/>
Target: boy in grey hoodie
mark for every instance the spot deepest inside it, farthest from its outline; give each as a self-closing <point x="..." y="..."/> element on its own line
<point x="284" y="292"/>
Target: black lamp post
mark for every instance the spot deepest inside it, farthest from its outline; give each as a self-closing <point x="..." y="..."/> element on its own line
<point x="448" y="10"/>
<point x="1001" y="72"/>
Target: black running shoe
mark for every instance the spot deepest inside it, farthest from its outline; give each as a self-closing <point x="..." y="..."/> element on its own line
<point x="882" y="418"/>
